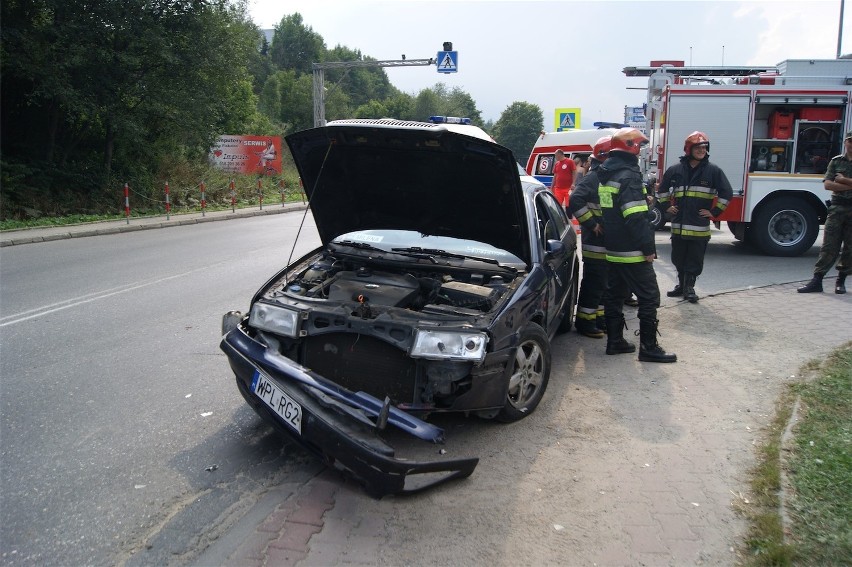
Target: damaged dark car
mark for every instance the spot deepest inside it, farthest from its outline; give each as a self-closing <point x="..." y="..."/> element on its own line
<point x="443" y="275"/>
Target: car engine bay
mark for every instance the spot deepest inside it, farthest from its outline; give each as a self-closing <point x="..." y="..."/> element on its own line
<point x="344" y="281"/>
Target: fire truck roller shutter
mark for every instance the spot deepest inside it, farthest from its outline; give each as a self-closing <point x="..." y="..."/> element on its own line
<point x="725" y="127"/>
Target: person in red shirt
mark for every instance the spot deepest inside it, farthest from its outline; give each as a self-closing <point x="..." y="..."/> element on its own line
<point x="563" y="177"/>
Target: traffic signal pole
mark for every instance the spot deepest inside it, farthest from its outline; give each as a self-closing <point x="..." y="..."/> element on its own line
<point x="319" y="78"/>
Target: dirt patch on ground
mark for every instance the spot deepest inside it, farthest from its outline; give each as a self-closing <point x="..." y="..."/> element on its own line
<point x="624" y="463"/>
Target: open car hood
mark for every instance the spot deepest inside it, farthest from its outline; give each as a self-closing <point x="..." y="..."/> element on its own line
<point x="429" y="178"/>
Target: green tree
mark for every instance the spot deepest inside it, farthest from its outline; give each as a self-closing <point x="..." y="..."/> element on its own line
<point x="89" y="86"/>
<point x="400" y="105"/>
<point x="295" y="45"/>
<point x="287" y="98"/>
<point x="518" y="127"/>
<point x="457" y="102"/>
<point x="373" y="109"/>
<point x="361" y="84"/>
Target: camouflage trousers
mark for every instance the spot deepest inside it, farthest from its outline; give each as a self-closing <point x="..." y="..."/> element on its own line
<point x="836" y="241"/>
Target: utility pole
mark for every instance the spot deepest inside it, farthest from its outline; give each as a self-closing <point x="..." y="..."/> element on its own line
<point x="319" y="78"/>
<point x="840" y="30"/>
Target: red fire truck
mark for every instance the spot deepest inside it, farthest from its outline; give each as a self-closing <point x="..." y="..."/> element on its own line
<point x="772" y="131"/>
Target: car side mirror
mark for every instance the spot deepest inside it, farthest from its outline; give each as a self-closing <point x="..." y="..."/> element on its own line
<point x="554" y="248"/>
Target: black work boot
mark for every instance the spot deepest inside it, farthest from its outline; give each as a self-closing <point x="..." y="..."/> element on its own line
<point x="588" y="328"/>
<point x="615" y="343"/>
<point x="649" y="349"/>
<point x="840" y="284"/>
<point x="678" y="288"/>
<point x="812" y="286"/>
<point x="689" y="289"/>
<point x="600" y="323"/>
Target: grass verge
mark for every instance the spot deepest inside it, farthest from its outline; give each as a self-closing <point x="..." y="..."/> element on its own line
<point x="802" y="484"/>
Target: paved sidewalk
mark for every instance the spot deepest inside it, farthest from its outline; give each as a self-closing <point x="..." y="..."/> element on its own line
<point x="44" y="234"/>
<point x="624" y="463"/>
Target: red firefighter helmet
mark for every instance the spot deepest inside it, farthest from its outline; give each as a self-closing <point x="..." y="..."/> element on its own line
<point x="695" y="139"/>
<point x="627" y="140"/>
<point x="601" y="148"/>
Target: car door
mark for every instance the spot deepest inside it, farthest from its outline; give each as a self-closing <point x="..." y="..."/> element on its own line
<point x="559" y="244"/>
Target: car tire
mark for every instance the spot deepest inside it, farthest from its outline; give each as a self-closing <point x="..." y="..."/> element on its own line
<point x="530" y="374"/>
<point x="786" y="226"/>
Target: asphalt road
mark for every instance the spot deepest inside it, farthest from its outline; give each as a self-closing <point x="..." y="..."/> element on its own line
<point x="115" y="396"/>
<point x="120" y="422"/>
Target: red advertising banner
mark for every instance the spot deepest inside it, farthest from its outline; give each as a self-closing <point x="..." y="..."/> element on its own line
<point x="259" y="155"/>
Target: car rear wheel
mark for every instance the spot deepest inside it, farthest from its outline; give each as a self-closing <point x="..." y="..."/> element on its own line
<point x="530" y="374"/>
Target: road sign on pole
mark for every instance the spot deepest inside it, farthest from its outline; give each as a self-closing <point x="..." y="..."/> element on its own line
<point x="448" y="61"/>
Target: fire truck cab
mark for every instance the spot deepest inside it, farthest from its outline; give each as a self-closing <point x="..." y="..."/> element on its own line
<point x="772" y="131"/>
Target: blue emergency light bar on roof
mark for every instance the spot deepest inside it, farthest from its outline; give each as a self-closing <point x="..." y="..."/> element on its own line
<point x="609" y="125"/>
<point x="449" y="120"/>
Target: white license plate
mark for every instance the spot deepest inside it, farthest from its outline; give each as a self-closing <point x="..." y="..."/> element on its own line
<point x="281" y="403"/>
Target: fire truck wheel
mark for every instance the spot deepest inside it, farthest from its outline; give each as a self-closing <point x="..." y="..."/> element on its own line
<point x="785" y="226"/>
<point x="737" y="229"/>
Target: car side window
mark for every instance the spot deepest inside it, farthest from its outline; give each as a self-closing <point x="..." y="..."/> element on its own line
<point x="552" y="219"/>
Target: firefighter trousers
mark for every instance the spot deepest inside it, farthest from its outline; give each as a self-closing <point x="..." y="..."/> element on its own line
<point x="638" y="278"/>
<point x="688" y="255"/>
<point x="592" y="288"/>
<point x="836" y="241"/>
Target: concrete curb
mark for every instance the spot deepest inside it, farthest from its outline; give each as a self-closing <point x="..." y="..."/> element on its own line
<point x="46" y="234"/>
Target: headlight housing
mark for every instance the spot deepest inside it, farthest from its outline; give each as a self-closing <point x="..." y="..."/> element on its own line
<point x="449" y="345"/>
<point x="276" y="319"/>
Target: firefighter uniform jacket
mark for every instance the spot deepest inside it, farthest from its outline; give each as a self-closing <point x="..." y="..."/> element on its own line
<point x="692" y="189"/>
<point x="585" y="207"/>
<point x="627" y="233"/>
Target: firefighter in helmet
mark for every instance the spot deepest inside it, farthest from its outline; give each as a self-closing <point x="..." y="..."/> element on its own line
<point x="630" y="249"/>
<point x="584" y="206"/>
<point x="696" y="191"/>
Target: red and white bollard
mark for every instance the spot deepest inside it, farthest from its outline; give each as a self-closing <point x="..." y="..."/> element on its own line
<point x="203" y="199"/>
<point x="260" y="193"/>
<point x="168" y="202"/>
<point x="233" y="197"/>
<point x="127" y="202"/>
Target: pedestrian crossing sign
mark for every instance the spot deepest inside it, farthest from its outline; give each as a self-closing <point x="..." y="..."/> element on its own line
<point x="448" y="61"/>
<point x="567" y="119"/>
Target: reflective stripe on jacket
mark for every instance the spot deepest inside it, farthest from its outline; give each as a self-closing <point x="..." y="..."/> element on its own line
<point x="627" y="232"/>
<point x="692" y="189"/>
<point x="583" y="205"/>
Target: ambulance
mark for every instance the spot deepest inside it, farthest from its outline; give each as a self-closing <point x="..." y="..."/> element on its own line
<point x="571" y="142"/>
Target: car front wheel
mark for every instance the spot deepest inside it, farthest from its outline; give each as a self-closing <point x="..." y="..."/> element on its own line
<point x="530" y="374"/>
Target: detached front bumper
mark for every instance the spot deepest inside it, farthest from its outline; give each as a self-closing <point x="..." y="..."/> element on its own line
<point x="340" y="426"/>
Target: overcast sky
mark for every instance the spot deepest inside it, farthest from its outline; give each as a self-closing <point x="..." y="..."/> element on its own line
<point x="566" y="54"/>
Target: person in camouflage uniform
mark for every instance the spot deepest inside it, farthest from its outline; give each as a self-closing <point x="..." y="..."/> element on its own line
<point x="837" y="235"/>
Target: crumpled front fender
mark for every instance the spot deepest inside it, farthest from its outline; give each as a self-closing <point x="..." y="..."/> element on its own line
<point x="342" y="426"/>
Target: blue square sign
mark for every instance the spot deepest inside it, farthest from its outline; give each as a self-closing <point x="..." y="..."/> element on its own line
<point x="448" y="61"/>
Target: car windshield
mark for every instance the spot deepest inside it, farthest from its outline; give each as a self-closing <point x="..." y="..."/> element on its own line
<point x="406" y="241"/>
